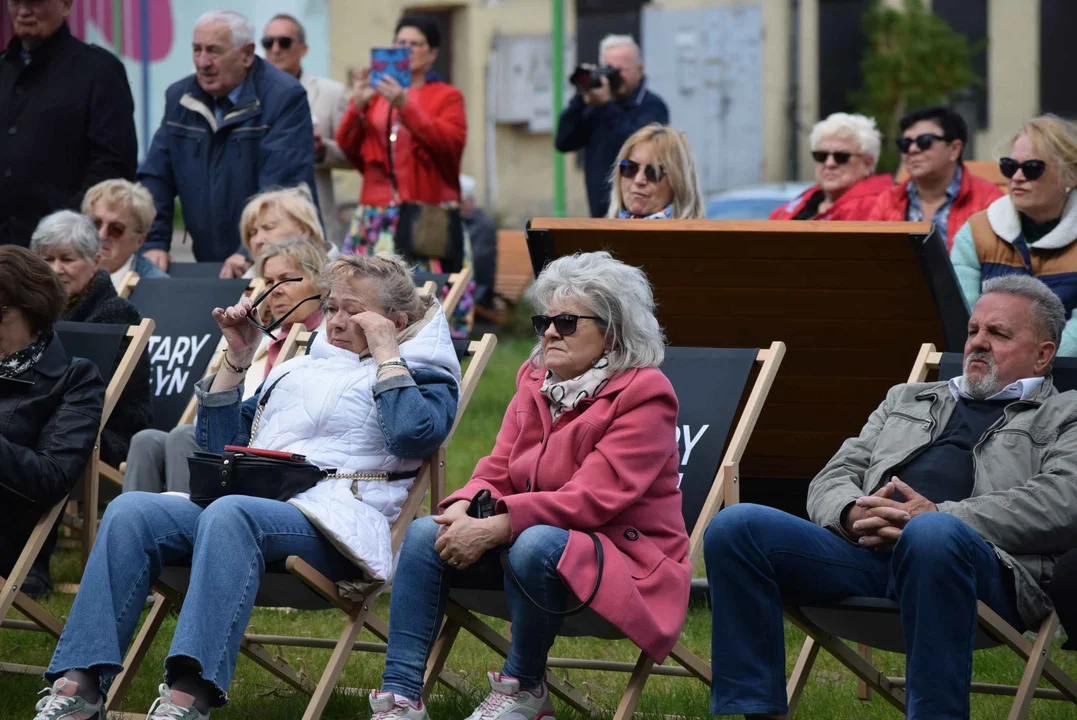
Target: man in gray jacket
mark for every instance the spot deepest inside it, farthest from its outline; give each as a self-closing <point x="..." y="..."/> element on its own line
<point x="953" y="492"/>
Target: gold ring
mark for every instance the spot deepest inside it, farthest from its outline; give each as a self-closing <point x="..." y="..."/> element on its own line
<point x="453" y="561"/>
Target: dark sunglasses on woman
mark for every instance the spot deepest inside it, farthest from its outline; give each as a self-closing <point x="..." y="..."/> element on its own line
<point x="284" y="42"/>
<point x="268" y="329"/>
<point x="922" y="141"/>
<point x="114" y="230"/>
<point x="1031" y="169"/>
<point x="840" y="158"/>
<point x="564" y="324"/>
<point x="630" y="168"/>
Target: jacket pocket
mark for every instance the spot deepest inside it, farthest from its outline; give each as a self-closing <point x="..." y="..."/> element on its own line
<point x="641" y="555"/>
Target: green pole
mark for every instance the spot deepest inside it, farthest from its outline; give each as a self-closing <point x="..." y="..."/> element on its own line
<point x="117" y="27"/>
<point x="558" y="44"/>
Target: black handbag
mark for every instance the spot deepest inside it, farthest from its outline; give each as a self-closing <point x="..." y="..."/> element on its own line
<point x="261" y="473"/>
<point x="424" y="230"/>
<point x="482" y="506"/>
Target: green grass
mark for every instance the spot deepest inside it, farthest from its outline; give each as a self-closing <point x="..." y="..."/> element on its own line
<point x="830" y="694"/>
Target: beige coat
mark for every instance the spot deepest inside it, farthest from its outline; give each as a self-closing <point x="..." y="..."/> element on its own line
<point x="1024" y="497"/>
<point x="328" y="99"/>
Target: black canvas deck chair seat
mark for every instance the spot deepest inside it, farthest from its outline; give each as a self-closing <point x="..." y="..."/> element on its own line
<point x="195" y="270"/>
<point x="295" y="584"/>
<point x="100" y="344"/>
<point x="710" y="385"/>
<point x="185" y="344"/>
<point x="876" y="623"/>
<point x="457" y="282"/>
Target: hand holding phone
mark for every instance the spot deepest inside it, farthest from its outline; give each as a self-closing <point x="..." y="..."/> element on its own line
<point x="394" y="62"/>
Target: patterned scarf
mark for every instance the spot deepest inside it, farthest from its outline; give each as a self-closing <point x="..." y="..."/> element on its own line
<point x="664" y="214"/>
<point x="20" y="361"/>
<point x="564" y="395"/>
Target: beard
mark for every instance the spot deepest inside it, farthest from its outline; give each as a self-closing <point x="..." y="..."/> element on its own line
<point x="981" y="387"/>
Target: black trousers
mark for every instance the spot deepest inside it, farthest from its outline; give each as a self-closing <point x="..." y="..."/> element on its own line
<point x="1063" y="592"/>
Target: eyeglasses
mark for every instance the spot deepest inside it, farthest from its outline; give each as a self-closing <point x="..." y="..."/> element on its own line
<point x="629" y="169"/>
<point x="564" y="324"/>
<point x="922" y="141"/>
<point x="284" y="42"/>
<point x="840" y="157"/>
<point x="268" y="329"/>
<point x="1032" y="169"/>
<point x="410" y="43"/>
<point x="114" y="230"/>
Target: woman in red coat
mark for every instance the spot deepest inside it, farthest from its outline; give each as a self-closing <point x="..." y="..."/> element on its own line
<point x="845" y="149"/>
<point x="587" y="453"/>
<point x="407" y="143"/>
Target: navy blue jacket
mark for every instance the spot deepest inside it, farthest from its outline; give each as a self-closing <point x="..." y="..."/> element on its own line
<point x="265" y="141"/>
<point x="602" y="130"/>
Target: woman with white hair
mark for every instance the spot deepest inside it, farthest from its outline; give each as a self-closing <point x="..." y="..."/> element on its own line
<point x="585" y="463"/>
<point x="845" y="149"/>
<point x="71" y="246"/>
<point x="655" y="177"/>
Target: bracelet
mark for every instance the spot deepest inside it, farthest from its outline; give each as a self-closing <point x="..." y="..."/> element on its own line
<point x="234" y="368"/>
<point x="391" y="365"/>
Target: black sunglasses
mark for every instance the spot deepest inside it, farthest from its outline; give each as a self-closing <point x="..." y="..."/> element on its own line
<point x="268" y="329"/>
<point x="1031" y="169"/>
<point x="565" y="324"/>
<point x="284" y="42"/>
<point x="922" y="141"/>
<point x="630" y="168"/>
<point x="840" y="158"/>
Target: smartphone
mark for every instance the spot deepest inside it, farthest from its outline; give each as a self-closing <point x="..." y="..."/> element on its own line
<point x="394" y="62"/>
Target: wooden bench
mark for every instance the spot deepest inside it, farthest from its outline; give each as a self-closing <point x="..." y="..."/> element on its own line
<point x="512" y="277"/>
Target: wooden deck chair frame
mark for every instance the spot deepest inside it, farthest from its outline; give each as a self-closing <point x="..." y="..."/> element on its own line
<point x="10" y="587"/>
<point x="359" y="614"/>
<point x="724" y="491"/>
<point x="130" y="280"/>
<point x="457" y="282"/>
<point x="892" y="689"/>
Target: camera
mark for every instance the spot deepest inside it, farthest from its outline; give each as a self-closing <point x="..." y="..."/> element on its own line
<point x="589" y="77"/>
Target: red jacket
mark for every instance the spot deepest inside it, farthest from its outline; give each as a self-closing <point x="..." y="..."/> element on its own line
<point x="427" y="152"/>
<point x="854" y="204"/>
<point x="610" y="469"/>
<point x="975" y="195"/>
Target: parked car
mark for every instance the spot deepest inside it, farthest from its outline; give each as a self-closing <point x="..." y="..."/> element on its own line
<point x="755" y="202"/>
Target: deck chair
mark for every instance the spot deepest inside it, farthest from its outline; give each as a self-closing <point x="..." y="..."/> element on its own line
<point x="876" y="623"/>
<point x="197" y="270"/>
<point x="297" y="585"/>
<point x="183" y="309"/>
<point x="711" y="477"/>
<point x="100" y="344"/>
<point x="457" y="283"/>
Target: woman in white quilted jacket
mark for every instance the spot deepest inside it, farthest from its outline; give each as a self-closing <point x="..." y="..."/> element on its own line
<point x="376" y="393"/>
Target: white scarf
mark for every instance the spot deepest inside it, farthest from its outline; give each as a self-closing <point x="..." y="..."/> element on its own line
<point x="564" y="395"/>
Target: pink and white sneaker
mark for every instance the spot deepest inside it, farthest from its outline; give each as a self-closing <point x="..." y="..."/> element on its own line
<point x="507" y="701"/>
<point x="64" y="703"/>
<point x="388" y="706"/>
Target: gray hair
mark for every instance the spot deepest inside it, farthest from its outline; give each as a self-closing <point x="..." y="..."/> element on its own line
<point x="1046" y="307"/>
<point x="306" y="253"/>
<point x="66" y="227"/>
<point x="619" y="294"/>
<point x="859" y="128"/>
<point x="612" y="41"/>
<point x="396" y="286"/>
<point x="300" y="32"/>
<point x="240" y="26"/>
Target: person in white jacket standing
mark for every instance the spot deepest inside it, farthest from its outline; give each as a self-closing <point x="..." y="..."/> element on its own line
<point x="376" y="393"/>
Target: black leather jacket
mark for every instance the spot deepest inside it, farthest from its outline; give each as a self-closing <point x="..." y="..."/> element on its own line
<point x="48" y="426"/>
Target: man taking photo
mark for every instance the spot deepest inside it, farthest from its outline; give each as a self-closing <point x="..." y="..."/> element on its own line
<point x="605" y="112"/>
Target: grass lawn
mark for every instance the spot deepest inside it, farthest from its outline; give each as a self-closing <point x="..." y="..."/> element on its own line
<point x="255" y="694"/>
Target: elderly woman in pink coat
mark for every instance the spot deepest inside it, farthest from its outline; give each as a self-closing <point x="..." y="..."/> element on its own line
<point x="586" y="455"/>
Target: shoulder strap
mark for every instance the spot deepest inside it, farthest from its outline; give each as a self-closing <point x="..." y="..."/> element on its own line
<point x="262" y="406"/>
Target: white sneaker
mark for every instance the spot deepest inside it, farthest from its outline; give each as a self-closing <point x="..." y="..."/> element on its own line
<point x="387" y="706"/>
<point x="63" y="703"/>
<point x="173" y="705"/>
<point x="507" y="702"/>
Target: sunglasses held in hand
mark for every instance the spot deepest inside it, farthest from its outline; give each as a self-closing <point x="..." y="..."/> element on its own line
<point x="268" y="329"/>
<point x="564" y="324"/>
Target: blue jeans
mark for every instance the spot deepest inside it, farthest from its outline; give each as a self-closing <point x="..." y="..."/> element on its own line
<point x="421" y="590"/>
<point x="227" y="545"/>
<point x="758" y="557"/>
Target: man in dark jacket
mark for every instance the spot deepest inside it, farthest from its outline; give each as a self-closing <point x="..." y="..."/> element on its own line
<point x="599" y="120"/>
<point x="235" y="128"/>
<point x="66" y="119"/>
